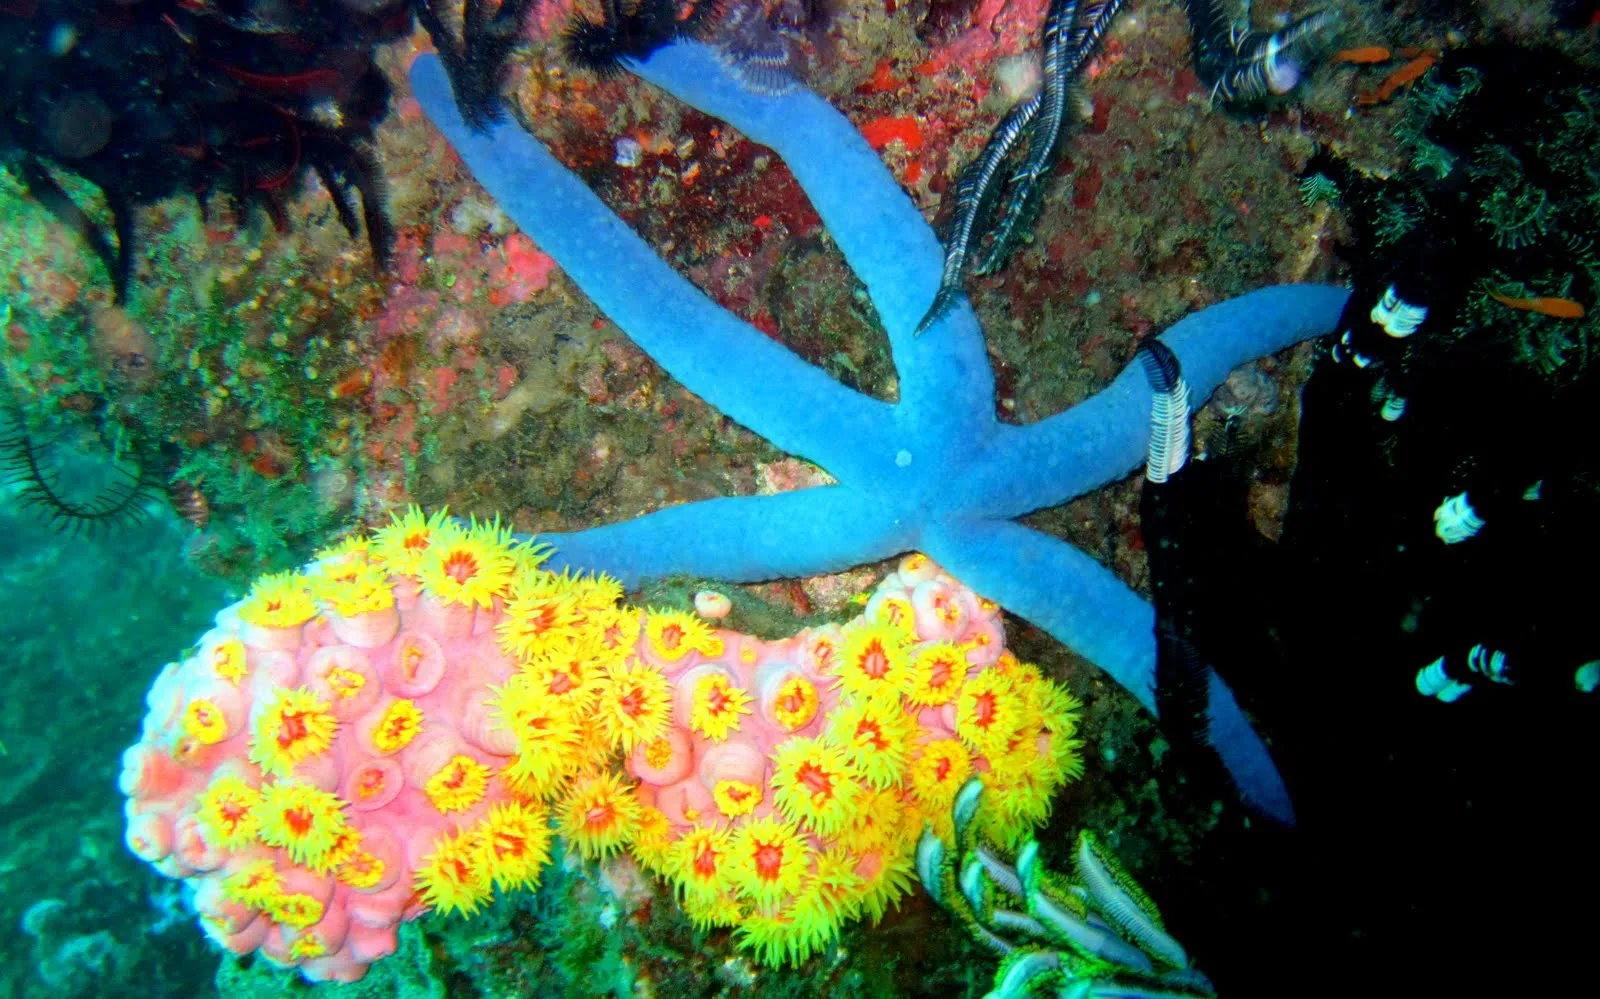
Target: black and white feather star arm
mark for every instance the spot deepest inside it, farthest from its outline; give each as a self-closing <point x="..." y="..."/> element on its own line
<point x="1239" y="64"/>
<point x="1044" y="130"/>
<point x="1069" y="44"/>
<point x="1169" y="412"/>
<point x="1072" y="31"/>
<point x="972" y="190"/>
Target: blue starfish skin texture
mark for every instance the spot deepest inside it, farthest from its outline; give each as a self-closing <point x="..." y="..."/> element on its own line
<point x="934" y="471"/>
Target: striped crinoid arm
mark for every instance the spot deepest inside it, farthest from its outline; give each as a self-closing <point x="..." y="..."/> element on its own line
<point x="976" y="193"/>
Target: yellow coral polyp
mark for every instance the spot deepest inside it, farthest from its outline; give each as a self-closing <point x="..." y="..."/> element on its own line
<point x="736" y="797"/>
<point x="295" y="725"/>
<point x="228" y="660"/>
<point x="297" y="910"/>
<point x="402" y="545"/>
<point x="455" y="876"/>
<point x="547" y="735"/>
<point x="894" y="613"/>
<point x="875" y="734"/>
<point x="515" y="840"/>
<point x="257" y="884"/>
<point x="936" y="775"/>
<point x="769" y="860"/>
<point x="988" y="713"/>
<point x="542" y="617"/>
<point x="872" y="661"/>
<point x="353" y="588"/>
<point x="204" y="723"/>
<point x="278" y="600"/>
<point x="935" y="674"/>
<point x="401" y="723"/>
<point x="796" y="703"/>
<point x="814" y="785"/>
<point x="716" y="707"/>
<point x="361" y="870"/>
<point x="307" y="946"/>
<point x="700" y="862"/>
<point x="674" y="634"/>
<point x="227" y="812"/>
<point x="345" y="683"/>
<point x="458" y="785"/>
<point x="598" y="815"/>
<point x="306" y="821"/>
<point x="652" y="839"/>
<point x="635" y="704"/>
<point x="469" y="567"/>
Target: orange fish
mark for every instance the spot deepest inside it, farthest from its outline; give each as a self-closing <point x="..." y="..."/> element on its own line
<point x="1409" y="73"/>
<point x="1364" y="55"/>
<point x="1561" y="308"/>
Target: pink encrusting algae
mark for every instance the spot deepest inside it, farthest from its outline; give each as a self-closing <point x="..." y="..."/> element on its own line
<point x="406" y="724"/>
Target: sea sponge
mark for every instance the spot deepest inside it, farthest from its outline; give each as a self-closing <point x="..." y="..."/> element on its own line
<point x="405" y="724"/>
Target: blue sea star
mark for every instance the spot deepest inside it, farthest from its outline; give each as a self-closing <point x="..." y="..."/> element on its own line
<point x="934" y="472"/>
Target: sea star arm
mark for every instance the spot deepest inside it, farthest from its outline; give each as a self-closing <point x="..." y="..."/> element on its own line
<point x="1103" y="438"/>
<point x="711" y="352"/>
<point x="808" y="532"/>
<point x="1088" y="609"/>
<point x="945" y="377"/>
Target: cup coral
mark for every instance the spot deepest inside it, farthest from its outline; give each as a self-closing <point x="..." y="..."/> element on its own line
<point x="405" y="725"/>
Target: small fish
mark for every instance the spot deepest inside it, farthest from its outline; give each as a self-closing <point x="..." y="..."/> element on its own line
<point x="1561" y="308"/>
<point x="1364" y="55"/>
<point x="1407" y="74"/>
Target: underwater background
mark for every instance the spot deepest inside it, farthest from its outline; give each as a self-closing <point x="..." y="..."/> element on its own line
<point x="255" y="303"/>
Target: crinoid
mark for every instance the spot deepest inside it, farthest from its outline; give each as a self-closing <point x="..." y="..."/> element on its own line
<point x="632" y="29"/>
<point x="146" y="101"/>
<point x="71" y="493"/>
<point x="476" y="56"/>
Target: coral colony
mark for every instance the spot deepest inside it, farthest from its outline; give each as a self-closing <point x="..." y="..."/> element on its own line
<point x="402" y="725"/>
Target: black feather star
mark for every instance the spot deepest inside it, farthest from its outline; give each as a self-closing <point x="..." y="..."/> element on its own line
<point x="632" y="31"/>
<point x="119" y="500"/>
<point x="1072" y="32"/>
<point x="1241" y="65"/>
<point x="476" y="60"/>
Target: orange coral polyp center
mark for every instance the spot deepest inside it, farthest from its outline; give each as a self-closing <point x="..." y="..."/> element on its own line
<point x="372" y="783"/>
<point x="871" y="733"/>
<point x="705" y="862"/>
<point x="299" y="820"/>
<point x="875" y="661"/>
<point x="460" y="566"/>
<point x="599" y="816"/>
<point x="769" y="861"/>
<point x="942" y="770"/>
<point x="232" y="813"/>
<point x="814" y="779"/>
<point x="718" y="701"/>
<point x="633" y="702"/>
<point x="508" y="844"/>
<point x="292" y="729"/>
<point x="415" y="542"/>
<point x="671" y="636"/>
<point x="456" y="776"/>
<point x="410" y="659"/>
<point x="983" y="710"/>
